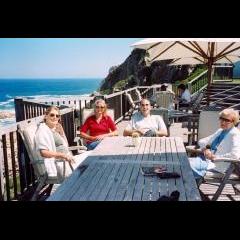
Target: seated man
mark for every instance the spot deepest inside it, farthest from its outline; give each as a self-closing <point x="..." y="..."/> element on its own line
<point x="225" y="142"/>
<point x="145" y="124"/>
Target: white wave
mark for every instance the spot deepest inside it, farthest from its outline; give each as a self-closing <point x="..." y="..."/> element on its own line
<point x="8" y="96"/>
<point x="6" y="122"/>
<point x="6" y="102"/>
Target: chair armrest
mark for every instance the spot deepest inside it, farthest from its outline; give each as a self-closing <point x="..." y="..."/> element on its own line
<point x="37" y="162"/>
<point x="191" y="149"/>
<point x="73" y="148"/>
<point x="225" y="159"/>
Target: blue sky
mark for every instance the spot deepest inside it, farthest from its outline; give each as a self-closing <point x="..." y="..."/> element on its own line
<point x="61" y="57"/>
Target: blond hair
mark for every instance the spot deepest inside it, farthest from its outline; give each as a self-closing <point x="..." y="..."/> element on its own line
<point x="59" y="127"/>
<point x="102" y="102"/>
<point x="232" y="113"/>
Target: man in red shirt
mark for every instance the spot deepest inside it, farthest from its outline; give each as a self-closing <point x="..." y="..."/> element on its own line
<point x="98" y="126"/>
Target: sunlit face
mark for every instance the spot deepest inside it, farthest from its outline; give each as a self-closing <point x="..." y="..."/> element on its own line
<point x="145" y="107"/>
<point x="100" y="107"/>
<point x="52" y="118"/>
<point x="226" y="121"/>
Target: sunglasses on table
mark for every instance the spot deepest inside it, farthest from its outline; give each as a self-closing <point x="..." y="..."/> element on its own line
<point x="225" y="120"/>
<point x="54" y="115"/>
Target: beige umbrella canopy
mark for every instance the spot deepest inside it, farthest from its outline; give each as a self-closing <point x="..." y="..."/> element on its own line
<point x="192" y="51"/>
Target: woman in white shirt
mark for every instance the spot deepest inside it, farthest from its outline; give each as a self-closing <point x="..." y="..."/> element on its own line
<point x="51" y="145"/>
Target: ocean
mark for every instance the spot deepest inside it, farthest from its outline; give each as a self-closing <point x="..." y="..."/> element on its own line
<point x="43" y="88"/>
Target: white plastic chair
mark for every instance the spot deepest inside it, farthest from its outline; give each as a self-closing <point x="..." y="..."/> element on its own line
<point x="27" y="132"/>
<point x="165" y="99"/>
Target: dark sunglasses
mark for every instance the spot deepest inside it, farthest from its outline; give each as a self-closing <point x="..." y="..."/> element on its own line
<point x="225" y="120"/>
<point x="54" y="115"/>
<point x="100" y="107"/>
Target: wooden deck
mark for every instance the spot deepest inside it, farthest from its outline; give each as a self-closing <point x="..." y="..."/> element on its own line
<point x="228" y="194"/>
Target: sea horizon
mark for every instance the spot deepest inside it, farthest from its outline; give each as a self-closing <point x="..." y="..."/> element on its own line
<point x="45" y="88"/>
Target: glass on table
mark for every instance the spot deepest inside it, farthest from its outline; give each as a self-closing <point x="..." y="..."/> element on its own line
<point x="135" y="139"/>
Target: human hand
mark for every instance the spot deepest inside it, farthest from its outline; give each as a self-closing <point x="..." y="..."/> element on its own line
<point x="69" y="159"/>
<point x="208" y="154"/>
<point x="140" y="131"/>
<point x="100" y="137"/>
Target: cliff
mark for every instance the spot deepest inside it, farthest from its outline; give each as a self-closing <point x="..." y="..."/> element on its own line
<point x="135" y="72"/>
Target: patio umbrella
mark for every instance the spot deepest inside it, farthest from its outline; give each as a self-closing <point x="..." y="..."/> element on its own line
<point x="191" y="51"/>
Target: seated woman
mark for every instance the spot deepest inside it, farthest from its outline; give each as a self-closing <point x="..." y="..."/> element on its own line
<point x="51" y="144"/>
<point x="98" y="126"/>
<point x="225" y="142"/>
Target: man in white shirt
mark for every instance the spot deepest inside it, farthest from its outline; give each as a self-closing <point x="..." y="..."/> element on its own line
<point x="145" y="124"/>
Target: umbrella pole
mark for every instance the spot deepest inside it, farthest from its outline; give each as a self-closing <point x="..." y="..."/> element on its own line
<point x="209" y="76"/>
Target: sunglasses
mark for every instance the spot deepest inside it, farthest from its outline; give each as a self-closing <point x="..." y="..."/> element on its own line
<point x="100" y="107"/>
<point x="54" y="115"/>
<point x="225" y="120"/>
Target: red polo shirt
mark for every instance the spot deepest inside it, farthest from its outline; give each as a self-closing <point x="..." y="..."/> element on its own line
<point x="95" y="129"/>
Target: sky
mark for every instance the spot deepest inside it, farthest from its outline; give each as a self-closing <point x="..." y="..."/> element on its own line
<point x="62" y="57"/>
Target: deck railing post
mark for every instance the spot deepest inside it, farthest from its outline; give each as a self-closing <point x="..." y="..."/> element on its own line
<point x="19" y="109"/>
<point x="1" y="172"/>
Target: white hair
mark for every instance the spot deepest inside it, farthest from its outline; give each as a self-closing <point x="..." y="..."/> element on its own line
<point x="232" y="113"/>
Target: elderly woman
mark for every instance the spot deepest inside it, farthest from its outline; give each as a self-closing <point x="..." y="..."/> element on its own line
<point x="98" y="126"/>
<point x="51" y="145"/>
<point x="225" y="142"/>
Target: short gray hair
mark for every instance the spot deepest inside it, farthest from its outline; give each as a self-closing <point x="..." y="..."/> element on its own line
<point x="233" y="113"/>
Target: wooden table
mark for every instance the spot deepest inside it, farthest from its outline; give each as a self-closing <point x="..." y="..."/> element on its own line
<point x="114" y="172"/>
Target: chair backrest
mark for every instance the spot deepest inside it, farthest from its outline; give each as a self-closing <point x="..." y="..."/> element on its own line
<point x="208" y="123"/>
<point x="165" y="99"/>
<point x="163" y="112"/>
<point x="196" y="101"/>
<point x="130" y="100"/>
<point x="139" y="96"/>
<point x="86" y="112"/>
<point x="27" y="132"/>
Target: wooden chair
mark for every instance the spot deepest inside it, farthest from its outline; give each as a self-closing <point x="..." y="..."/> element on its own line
<point x="27" y="132"/>
<point x="208" y="124"/>
<point x="134" y="105"/>
<point x="165" y="99"/>
<point x="163" y="112"/>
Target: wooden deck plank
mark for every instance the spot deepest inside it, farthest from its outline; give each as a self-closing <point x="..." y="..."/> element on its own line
<point x="82" y="183"/>
<point x="190" y="185"/>
<point x="67" y="185"/>
<point x="164" y="182"/>
<point x="147" y="180"/>
<point x="177" y="168"/>
<point x="84" y="190"/>
<point x="102" y="183"/>
<point x="124" y="185"/>
<point x="137" y="195"/>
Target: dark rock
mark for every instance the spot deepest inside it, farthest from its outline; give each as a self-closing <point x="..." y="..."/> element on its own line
<point x="136" y="72"/>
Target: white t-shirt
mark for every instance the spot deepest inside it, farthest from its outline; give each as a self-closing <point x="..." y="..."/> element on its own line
<point x="186" y="96"/>
<point x="138" y="121"/>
